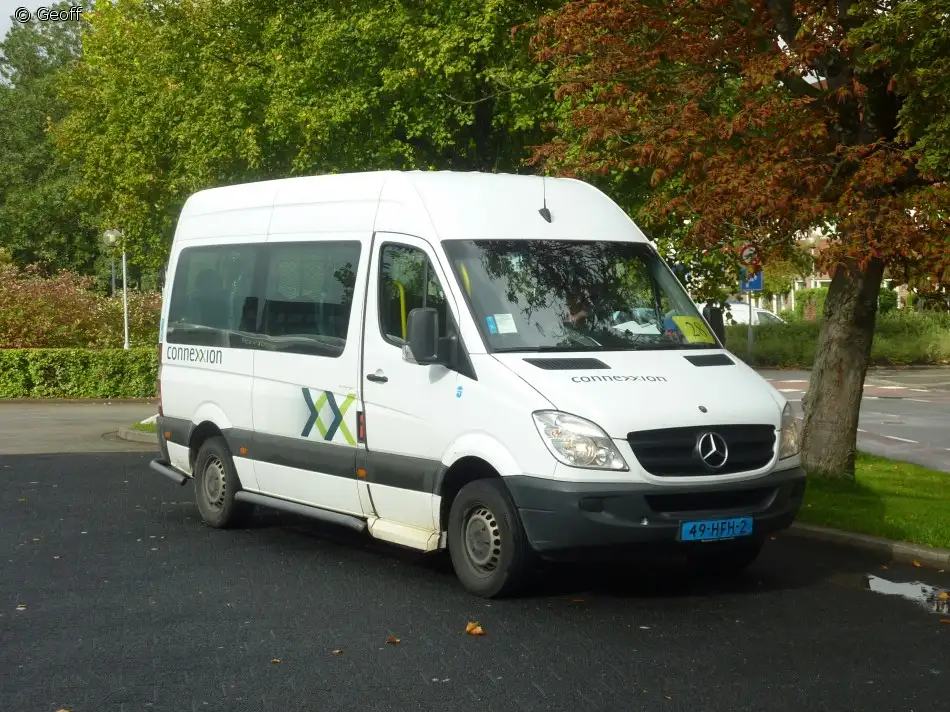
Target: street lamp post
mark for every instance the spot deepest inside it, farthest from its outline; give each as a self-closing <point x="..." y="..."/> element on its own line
<point x="109" y="238"/>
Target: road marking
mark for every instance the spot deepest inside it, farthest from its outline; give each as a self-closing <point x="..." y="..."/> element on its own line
<point x="903" y="440"/>
<point x="917" y="400"/>
<point x="795" y="381"/>
<point x="920" y="390"/>
<point x="886" y="415"/>
<point x="861" y="431"/>
<point x="871" y="397"/>
<point x="790" y="390"/>
<point x="885" y="388"/>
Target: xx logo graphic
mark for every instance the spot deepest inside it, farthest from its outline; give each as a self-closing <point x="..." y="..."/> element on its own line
<point x="328" y="432"/>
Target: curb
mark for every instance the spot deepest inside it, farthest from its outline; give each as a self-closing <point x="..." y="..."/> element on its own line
<point x="137" y="436"/>
<point x="897" y="550"/>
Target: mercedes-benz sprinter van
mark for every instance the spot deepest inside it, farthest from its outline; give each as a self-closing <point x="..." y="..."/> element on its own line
<point x="497" y="365"/>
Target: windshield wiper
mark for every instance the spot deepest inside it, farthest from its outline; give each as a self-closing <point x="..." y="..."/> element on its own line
<point x="670" y="345"/>
<point x="543" y="349"/>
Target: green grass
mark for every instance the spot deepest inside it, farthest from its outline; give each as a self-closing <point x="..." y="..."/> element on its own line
<point x="145" y="427"/>
<point x="888" y="498"/>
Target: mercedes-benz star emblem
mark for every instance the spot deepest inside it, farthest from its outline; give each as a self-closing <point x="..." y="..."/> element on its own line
<point x="712" y="450"/>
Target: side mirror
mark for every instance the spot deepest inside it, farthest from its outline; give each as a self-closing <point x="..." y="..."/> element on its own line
<point x="422" y="330"/>
<point x="713" y="315"/>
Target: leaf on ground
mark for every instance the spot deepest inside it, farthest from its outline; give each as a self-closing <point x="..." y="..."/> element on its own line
<point x="21" y="606"/>
<point x="21" y="500"/>
<point x="945" y="620"/>
<point x="275" y="661"/>
<point x="577" y="600"/>
<point x="884" y="568"/>
<point x="63" y="710"/>
<point x="944" y="596"/>
<point x="338" y="651"/>
<point x="474" y="628"/>
<point x="393" y="640"/>
<point x="915" y="563"/>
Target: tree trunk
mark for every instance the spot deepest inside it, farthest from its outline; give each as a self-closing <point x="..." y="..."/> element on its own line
<point x="832" y="403"/>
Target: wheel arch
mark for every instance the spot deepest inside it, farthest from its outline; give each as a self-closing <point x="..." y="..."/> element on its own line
<point x="472" y="457"/>
<point x="208" y="421"/>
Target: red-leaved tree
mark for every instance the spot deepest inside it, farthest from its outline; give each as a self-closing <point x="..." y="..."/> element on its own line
<point x="762" y="119"/>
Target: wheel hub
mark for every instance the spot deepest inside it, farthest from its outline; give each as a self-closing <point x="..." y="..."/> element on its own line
<point x="214" y="483"/>
<point x="482" y="539"/>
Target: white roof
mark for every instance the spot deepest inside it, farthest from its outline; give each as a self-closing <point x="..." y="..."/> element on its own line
<point x="437" y="205"/>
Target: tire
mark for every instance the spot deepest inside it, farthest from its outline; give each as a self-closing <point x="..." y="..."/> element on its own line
<point x="487" y="544"/>
<point x="727" y="559"/>
<point x="216" y="483"/>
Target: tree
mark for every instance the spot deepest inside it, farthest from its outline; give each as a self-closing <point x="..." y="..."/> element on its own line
<point x="766" y="119"/>
<point x="781" y="272"/>
<point x="175" y="96"/>
<point x="39" y="220"/>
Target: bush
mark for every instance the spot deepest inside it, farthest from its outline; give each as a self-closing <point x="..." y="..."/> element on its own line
<point x="78" y="373"/>
<point x="62" y="311"/>
<point x="900" y="338"/>
<point x="815" y="294"/>
<point x="886" y="300"/>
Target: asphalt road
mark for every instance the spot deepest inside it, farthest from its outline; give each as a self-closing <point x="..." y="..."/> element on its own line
<point x="905" y="413"/>
<point x="114" y="597"/>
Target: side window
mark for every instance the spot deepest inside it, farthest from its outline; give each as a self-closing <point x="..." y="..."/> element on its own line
<point x="406" y="282"/>
<point x="213" y="295"/>
<point x="308" y="295"/>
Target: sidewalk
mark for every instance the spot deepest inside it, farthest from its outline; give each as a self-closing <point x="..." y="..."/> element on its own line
<point x="37" y="427"/>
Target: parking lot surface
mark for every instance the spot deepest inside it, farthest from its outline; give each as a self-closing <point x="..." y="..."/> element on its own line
<point x="113" y="596"/>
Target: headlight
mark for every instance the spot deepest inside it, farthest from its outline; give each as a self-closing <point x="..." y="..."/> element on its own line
<point x="790" y="438"/>
<point x="577" y="442"/>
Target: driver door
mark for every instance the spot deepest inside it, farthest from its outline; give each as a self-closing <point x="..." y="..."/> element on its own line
<point x="406" y="436"/>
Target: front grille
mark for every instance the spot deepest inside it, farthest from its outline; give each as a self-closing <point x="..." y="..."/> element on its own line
<point x="671" y="452"/>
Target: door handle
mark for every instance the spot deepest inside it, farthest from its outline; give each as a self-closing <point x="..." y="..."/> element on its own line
<point x="376" y="379"/>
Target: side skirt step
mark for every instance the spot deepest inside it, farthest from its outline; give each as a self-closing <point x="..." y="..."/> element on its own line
<point x="324" y="515"/>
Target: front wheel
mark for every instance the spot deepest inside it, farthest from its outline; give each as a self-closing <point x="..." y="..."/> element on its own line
<point x="489" y="550"/>
<point x="726" y="559"/>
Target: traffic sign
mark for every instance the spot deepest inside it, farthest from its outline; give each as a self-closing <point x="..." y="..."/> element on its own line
<point x="748" y="254"/>
<point x="753" y="284"/>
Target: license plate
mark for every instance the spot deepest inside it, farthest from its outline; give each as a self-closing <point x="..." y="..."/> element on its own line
<point x="712" y="529"/>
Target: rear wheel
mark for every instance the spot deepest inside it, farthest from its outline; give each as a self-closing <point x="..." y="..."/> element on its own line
<point x="726" y="559"/>
<point x="216" y="483"/>
<point x="489" y="550"/>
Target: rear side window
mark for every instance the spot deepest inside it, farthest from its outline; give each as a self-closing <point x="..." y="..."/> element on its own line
<point x="284" y="297"/>
<point x="308" y="296"/>
<point x="213" y="296"/>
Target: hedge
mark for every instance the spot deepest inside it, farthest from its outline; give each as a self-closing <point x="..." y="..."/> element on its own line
<point x="78" y="373"/>
<point x="901" y="338"/>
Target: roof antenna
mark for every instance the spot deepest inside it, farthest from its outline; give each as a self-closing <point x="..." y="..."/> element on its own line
<point x="545" y="213"/>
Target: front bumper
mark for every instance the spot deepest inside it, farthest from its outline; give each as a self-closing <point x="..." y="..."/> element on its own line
<point x="560" y="516"/>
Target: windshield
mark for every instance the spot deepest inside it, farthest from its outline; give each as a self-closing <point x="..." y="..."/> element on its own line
<point x="560" y="295"/>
